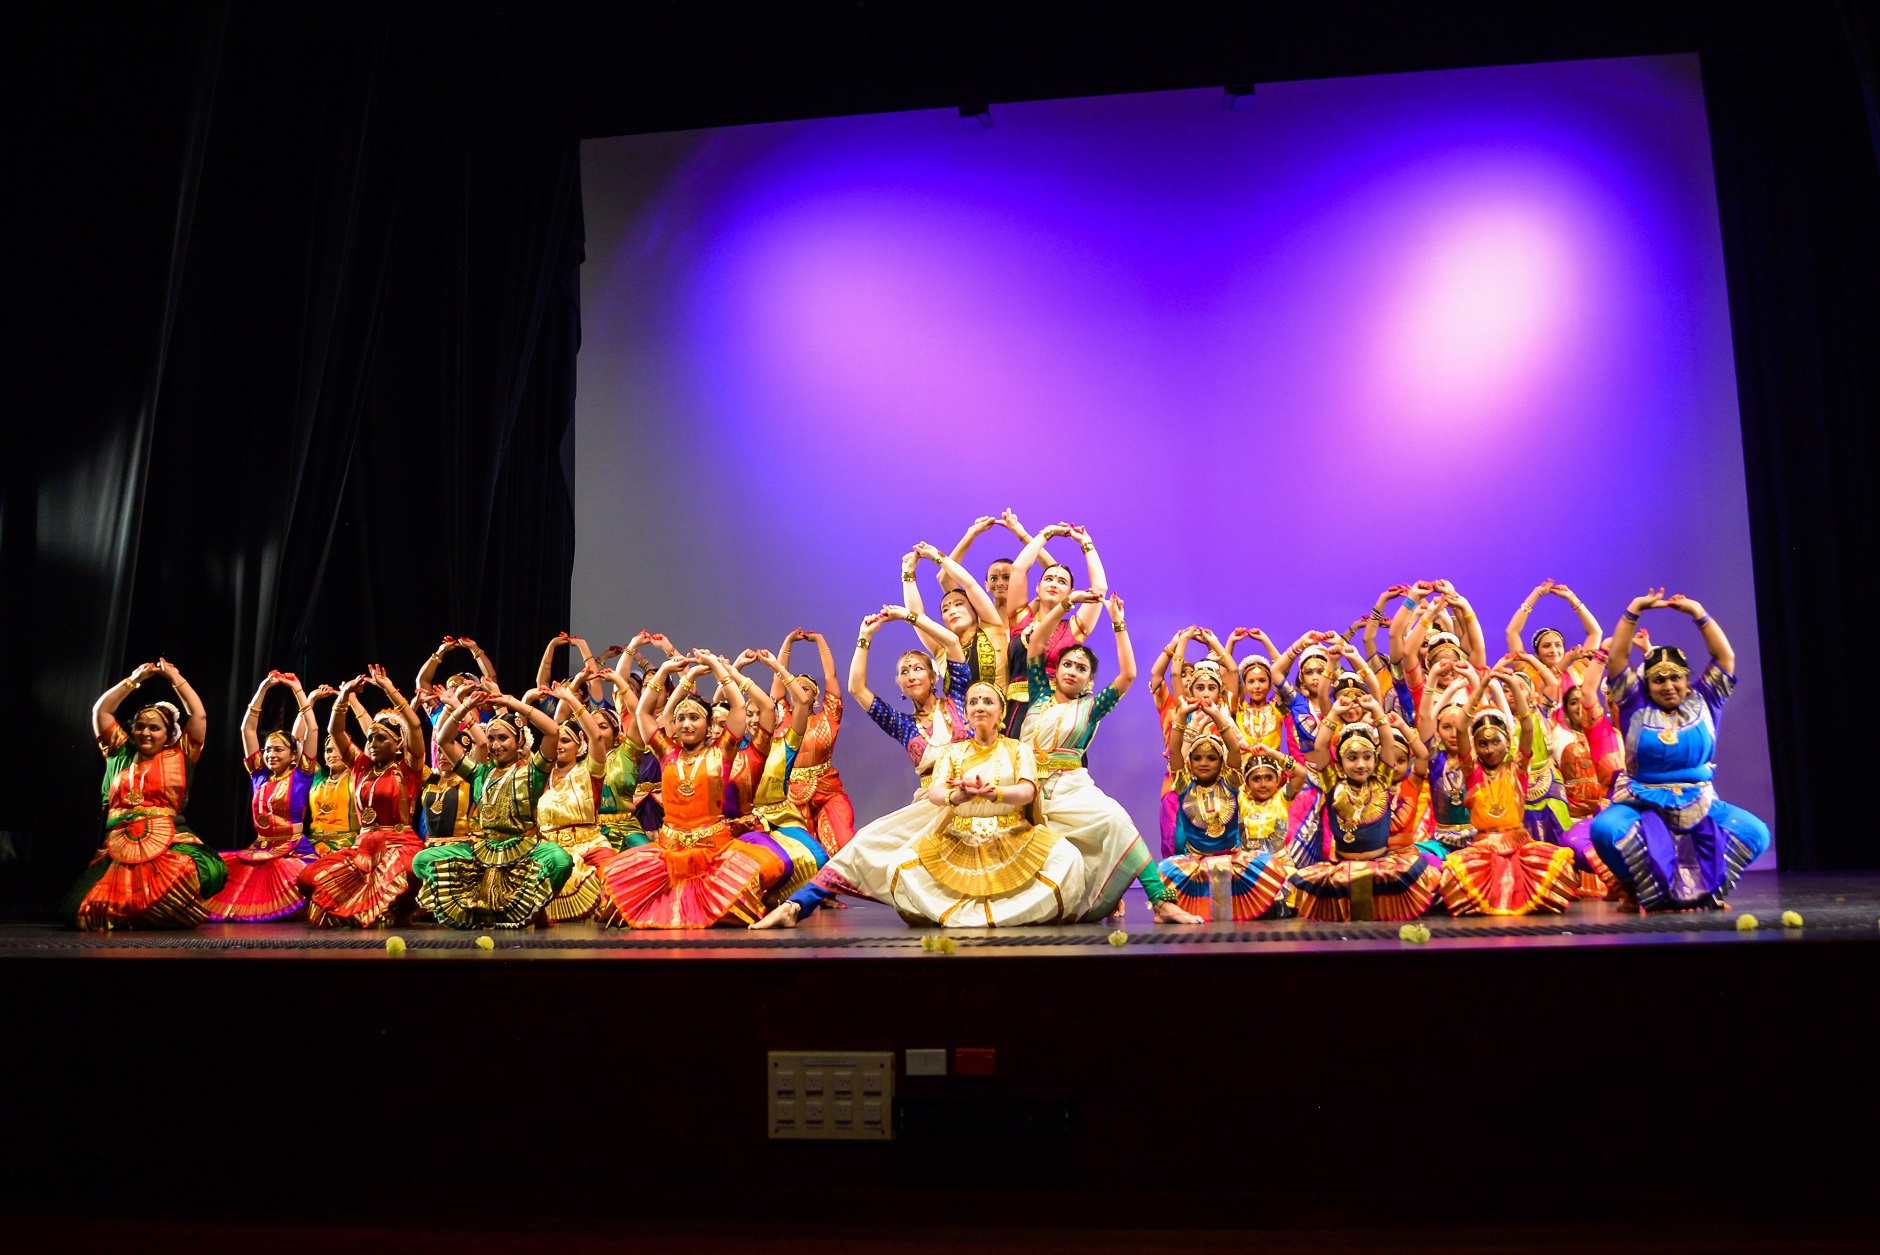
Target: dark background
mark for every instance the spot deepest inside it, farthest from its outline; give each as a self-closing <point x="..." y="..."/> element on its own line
<point x="296" y="315"/>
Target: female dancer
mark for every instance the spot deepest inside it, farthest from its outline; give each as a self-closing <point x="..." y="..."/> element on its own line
<point x="696" y="872"/>
<point x="998" y="571"/>
<point x="1504" y="871"/>
<point x="263" y="880"/>
<point x="1548" y="647"/>
<point x="1589" y="762"/>
<point x="863" y="867"/>
<point x="1340" y="843"/>
<point x="506" y="873"/>
<point x="815" y="787"/>
<point x="1440" y="724"/>
<point x="1258" y="713"/>
<point x="568" y="811"/>
<point x="367" y="883"/>
<point x="1063" y="719"/>
<point x="1210" y="838"/>
<point x="153" y="872"/>
<point x="332" y="819"/>
<point x="1668" y="839"/>
<point x="967" y="611"/>
<point x="762" y="777"/>
<point x="1054" y="588"/>
<point x="425" y="693"/>
<point x="616" y="811"/>
<point x="989" y="860"/>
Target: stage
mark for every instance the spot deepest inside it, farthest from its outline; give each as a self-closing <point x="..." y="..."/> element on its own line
<point x="1837" y="908"/>
<point x="1280" y="1072"/>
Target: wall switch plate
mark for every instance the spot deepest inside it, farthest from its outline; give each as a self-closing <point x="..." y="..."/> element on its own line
<point x="927" y="1062"/>
<point x="847" y="1096"/>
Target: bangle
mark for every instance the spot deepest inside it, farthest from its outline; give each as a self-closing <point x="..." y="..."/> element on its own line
<point x="1701" y="622"/>
<point x="861" y="642"/>
<point x="1119" y="627"/>
<point x="911" y="616"/>
<point x="254" y="710"/>
<point x="1631" y="616"/>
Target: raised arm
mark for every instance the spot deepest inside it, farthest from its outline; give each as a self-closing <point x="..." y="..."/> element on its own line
<point x="195" y="718"/>
<point x="1099" y="582"/>
<point x="336" y="718"/>
<point x="1158" y="671"/>
<point x="645" y="722"/>
<point x="1048" y="619"/>
<point x="953" y="575"/>
<point x="930" y="629"/>
<point x="1517" y="626"/>
<point x="754" y="696"/>
<point x="980" y="526"/>
<point x="1523" y="711"/>
<point x="1588" y="624"/>
<point x="1620" y="656"/>
<point x="428" y="672"/>
<point x="590" y="726"/>
<point x="104" y="710"/>
<point x="1714" y="640"/>
<point x="1125" y="652"/>
<point x="414" y="727"/>
<point x="544" y="674"/>
<point x="450" y="753"/>
<point x="1469" y="625"/>
<point x="734" y="695"/>
<point x="858" y="662"/>
<point x="306" y="727"/>
<point x="251" y="718"/>
<point x="1018" y="592"/>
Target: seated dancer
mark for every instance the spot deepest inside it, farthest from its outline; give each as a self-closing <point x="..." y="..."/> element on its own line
<point x="815" y="788"/>
<point x="1268" y="781"/>
<point x="432" y="699"/>
<point x="1504" y="870"/>
<point x="1590" y="761"/>
<point x="987" y="859"/>
<point x="765" y="807"/>
<point x="1258" y="712"/>
<point x="1448" y="825"/>
<point x="153" y="872"/>
<point x="263" y="880"/>
<point x="616" y="812"/>
<point x="1410" y="801"/>
<point x="332" y="819"/>
<point x="697" y="871"/>
<point x="568" y="811"/>
<point x="507" y="872"/>
<point x="368" y="883"/>
<point x="967" y="610"/>
<point x="1202" y="683"/>
<point x="1022" y="611"/>
<point x="863" y="868"/>
<point x="1667" y="838"/>
<point x="1063" y="718"/>
<point x="1210" y="839"/>
<point x="1310" y="701"/>
<point x="1340" y="842"/>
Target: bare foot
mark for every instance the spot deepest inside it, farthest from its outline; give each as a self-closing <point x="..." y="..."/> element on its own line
<point x="1167" y="912"/>
<point x="783" y="917"/>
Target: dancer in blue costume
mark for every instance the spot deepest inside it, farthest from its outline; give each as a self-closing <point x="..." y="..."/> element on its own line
<point x="1669" y="840"/>
<point x="1210" y="837"/>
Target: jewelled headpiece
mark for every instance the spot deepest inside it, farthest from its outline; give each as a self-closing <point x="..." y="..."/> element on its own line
<point x="1493" y="715"/>
<point x="1348" y="680"/>
<point x="287" y="742"/>
<point x="1313" y="651"/>
<point x="519" y="725"/>
<point x="990" y="688"/>
<point x="1441" y="640"/>
<point x="692" y="699"/>
<point x="1257" y="660"/>
<point x="1534" y="641"/>
<point x="1666" y="660"/>
<point x="1357" y="732"/>
<point x="580" y="734"/>
<point x="1261" y="764"/>
<point x="389" y="720"/>
<point x="171" y="716"/>
<point x="1209" y="667"/>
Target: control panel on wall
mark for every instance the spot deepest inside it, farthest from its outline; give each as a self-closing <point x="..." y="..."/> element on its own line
<point x="832" y="1095"/>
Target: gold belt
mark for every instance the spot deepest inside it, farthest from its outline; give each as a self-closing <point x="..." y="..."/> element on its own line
<point x="985" y="825"/>
<point x="810" y="772"/>
<point x="686" y="838"/>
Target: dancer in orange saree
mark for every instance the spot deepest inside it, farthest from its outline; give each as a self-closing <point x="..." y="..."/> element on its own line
<point x="153" y="872"/>
<point x="369" y="883"/>
<point x="696" y="872"/>
<point x="815" y="787"/>
<point x="1504" y="871"/>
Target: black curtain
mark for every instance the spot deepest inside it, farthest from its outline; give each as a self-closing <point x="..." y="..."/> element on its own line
<point x="306" y="361"/>
<point x="1798" y="190"/>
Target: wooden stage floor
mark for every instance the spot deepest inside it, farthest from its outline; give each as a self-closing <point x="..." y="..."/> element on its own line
<point x="1840" y="907"/>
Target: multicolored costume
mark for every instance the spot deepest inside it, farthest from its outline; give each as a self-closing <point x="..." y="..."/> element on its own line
<point x="1019" y="694"/>
<point x="1340" y="844"/>
<point x="1096" y="825"/>
<point x="153" y="872"/>
<point x="332" y="820"/>
<point x="988" y="863"/>
<point x="767" y="810"/>
<point x="264" y="879"/>
<point x="361" y="884"/>
<point x="698" y="871"/>
<point x="507" y="872"/>
<point x="1210" y="838"/>
<point x="1591" y="760"/>
<point x="617" y="812"/>
<point x="1505" y="871"/>
<point x="815" y="789"/>
<point x="568" y="814"/>
<point x="1451" y="826"/>
<point x="864" y="866"/>
<point x="1667" y="838"/>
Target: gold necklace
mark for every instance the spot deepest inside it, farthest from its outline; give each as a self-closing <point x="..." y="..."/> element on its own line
<point x="688" y="779"/>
